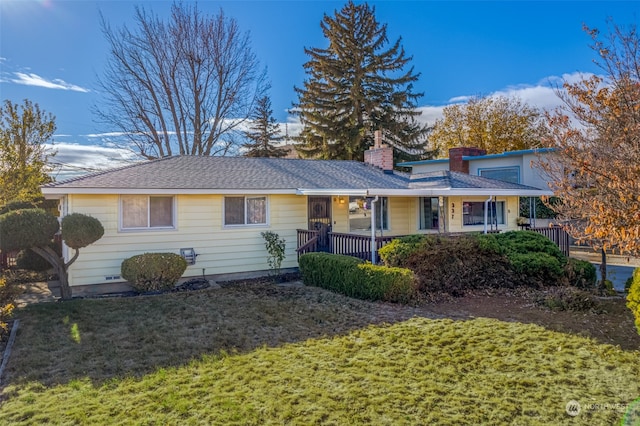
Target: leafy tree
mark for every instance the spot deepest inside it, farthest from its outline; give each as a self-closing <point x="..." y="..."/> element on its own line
<point x="355" y="86"/>
<point x="596" y="132"/>
<point x="24" y="132"/>
<point x="34" y="229"/>
<point x="264" y="131"/>
<point x="493" y="123"/>
<point x="180" y="86"/>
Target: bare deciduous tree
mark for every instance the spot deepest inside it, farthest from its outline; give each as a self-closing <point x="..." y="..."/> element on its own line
<point x="181" y="86"/>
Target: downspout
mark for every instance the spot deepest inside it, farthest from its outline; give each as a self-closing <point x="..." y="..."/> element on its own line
<point x="373" y="229"/>
<point x="486" y="211"/>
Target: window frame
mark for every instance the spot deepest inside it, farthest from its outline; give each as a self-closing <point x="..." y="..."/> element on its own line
<point x="503" y="205"/>
<point x="384" y="202"/>
<point x="503" y="168"/>
<point x="421" y="213"/>
<point x="246" y="199"/>
<point x="148" y="227"/>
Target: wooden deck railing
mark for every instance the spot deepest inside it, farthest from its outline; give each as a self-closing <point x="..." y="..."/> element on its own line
<point x="307" y="241"/>
<point x="356" y="245"/>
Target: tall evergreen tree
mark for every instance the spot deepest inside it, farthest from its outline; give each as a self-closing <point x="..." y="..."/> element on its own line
<point x="264" y="131"/>
<point x="356" y="86"/>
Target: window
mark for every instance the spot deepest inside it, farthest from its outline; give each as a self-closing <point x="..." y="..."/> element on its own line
<point x="506" y="174"/>
<point x="245" y="210"/>
<point x="145" y="212"/>
<point x="473" y="213"/>
<point x="360" y="213"/>
<point x="429" y="209"/>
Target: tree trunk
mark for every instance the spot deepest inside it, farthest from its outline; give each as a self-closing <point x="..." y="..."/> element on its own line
<point x="603" y="270"/>
<point x="59" y="267"/>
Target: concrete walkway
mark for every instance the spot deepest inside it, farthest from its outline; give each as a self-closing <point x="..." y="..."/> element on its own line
<point x="34" y="293"/>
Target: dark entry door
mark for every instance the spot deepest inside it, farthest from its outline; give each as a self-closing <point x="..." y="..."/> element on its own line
<point x="320" y="220"/>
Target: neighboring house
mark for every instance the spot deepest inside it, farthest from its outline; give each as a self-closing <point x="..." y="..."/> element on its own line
<point x="218" y="206"/>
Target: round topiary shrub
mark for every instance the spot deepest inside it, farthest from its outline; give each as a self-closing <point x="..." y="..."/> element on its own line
<point x="27" y="228"/>
<point x="79" y="230"/>
<point x="153" y="271"/>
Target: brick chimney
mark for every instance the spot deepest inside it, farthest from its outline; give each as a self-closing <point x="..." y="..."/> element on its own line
<point x="380" y="155"/>
<point x="457" y="164"/>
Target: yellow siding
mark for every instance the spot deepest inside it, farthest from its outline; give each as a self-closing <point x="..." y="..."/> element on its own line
<point x="223" y="250"/>
<point x="454" y="215"/>
<point x="199" y="225"/>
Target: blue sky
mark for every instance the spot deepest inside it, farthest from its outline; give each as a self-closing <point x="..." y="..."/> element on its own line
<point x="51" y="52"/>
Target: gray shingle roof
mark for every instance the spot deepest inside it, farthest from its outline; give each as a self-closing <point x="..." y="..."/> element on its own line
<point x="194" y="172"/>
<point x="457" y="180"/>
<point x="242" y="174"/>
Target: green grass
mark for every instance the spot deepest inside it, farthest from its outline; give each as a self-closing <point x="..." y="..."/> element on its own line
<point x="100" y="362"/>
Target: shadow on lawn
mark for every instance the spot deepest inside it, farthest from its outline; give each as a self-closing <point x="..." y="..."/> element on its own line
<point x="105" y="339"/>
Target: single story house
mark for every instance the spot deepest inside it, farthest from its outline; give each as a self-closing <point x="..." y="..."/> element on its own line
<point x="213" y="210"/>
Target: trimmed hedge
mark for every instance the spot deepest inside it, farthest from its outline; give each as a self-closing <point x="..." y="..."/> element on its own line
<point x="153" y="271"/>
<point x="352" y="277"/>
<point x="633" y="297"/>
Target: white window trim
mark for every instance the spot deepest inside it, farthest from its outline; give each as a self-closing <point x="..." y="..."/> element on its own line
<point x="174" y="215"/>
<point x="245" y="224"/>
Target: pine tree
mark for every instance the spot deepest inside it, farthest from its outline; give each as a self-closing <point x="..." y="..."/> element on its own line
<point x="357" y="86"/>
<point x="263" y="132"/>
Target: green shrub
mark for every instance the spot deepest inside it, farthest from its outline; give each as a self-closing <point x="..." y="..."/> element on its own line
<point x="398" y="250"/>
<point x="327" y="270"/>
<point x="537" y="266"/>
<point x="569" y="299"/>
<point x="352" y="277"/>
<point x="375" y="282"/>
<point x="633" y="297"/>
<point x="79" y="230"/>
<point x="27" y="228"/>
<point x="580" y="273"/>
<point x="153" y="271"/>
<point x="529" y="242"/>
<point x="534" y="256"/>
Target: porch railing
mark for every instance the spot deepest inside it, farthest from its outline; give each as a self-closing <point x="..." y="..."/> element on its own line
<point x="356" y="245"/>
<point x="307" y="241"/>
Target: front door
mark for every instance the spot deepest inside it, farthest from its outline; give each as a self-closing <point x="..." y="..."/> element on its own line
<point x="320" y="220"/>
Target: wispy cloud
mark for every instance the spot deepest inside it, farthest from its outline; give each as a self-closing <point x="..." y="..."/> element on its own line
<point x="74" y="159"/>
<point x="32" y="79"/>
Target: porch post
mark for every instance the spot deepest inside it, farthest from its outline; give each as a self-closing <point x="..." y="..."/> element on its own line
<point x="373" y="230"/>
